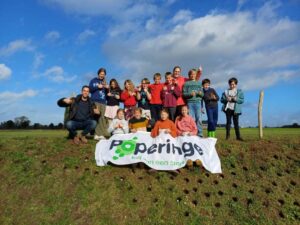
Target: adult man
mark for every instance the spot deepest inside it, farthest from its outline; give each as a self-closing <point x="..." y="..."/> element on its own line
<point x="81" y="115"/>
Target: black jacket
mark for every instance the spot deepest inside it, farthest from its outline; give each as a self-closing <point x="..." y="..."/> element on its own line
<point x="73" y="107"/>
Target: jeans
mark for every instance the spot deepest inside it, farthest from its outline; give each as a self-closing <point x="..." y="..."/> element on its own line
<point x="196" y="114"/>
<point x="172" y="112"/>
<point x="212" y="118"/>
<point x="155" y="111"/>
<point x="86" y="126"/>
<point x="230" y="114"/>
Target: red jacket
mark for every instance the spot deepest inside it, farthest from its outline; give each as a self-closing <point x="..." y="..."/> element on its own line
<point x="128" y="100"/>
<point x="155" y="90"/>
<point x="180" y="82"/>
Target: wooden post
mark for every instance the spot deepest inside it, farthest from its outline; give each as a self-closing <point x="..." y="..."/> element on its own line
<point x="260" y="106"/>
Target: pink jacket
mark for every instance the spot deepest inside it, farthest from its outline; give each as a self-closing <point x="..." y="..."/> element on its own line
<point x="185" y="124"/>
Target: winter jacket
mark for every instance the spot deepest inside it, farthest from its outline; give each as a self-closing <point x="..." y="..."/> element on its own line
<point x="74" y="105"/>
<point x="209" y="101"/>
<point x="113" y="130"/>
<point x="169" y="97"/>
<point x="238" y="102"/>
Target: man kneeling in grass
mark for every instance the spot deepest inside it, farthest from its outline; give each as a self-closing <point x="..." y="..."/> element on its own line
<point x="81" y="115"/>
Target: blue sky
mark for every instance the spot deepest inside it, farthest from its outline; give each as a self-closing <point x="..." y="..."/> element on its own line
<point x="50" y="48"/>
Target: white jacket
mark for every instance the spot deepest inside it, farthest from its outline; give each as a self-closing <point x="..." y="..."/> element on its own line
<point x="113" y="130"/>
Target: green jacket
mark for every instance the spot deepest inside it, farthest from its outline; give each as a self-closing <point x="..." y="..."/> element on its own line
<point x="238" y="103"/>
<point x="190" y="86"/>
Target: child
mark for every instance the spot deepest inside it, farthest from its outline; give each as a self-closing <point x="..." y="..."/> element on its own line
<point x="192" y="92"/>
<point x="119" y="125"/>
<point x="128" y="97"/>
<point x="137" y="122"/>
<point x="232" y="100"/>
<point x="98" y="88"/>
<point x="169" y="96"/>
<point x="144" y="96"/>
<point x="155" y="102"/>
<point x="164" y="125"/>
<point x="211" y="99"/>
<point x="113" y="100"/>
<point x="185" y="124"/>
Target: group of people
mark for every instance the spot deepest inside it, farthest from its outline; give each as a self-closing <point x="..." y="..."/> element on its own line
<point x="175" y="106"/>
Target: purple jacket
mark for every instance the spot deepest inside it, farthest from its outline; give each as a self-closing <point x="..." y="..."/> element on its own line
<point x="169" y="96"/>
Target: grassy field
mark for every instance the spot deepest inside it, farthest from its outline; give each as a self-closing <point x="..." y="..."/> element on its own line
<point x="47" y="180"/>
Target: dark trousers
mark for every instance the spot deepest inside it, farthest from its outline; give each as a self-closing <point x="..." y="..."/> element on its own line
<point x="86" y="126"/>
<point x="212" y="118"/>
<point x="172" y="112"/>
<point x="155" y="112"/>
<point x="230" y="114"/>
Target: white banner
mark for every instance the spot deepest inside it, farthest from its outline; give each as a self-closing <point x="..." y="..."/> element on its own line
<point x="161" y="153"/>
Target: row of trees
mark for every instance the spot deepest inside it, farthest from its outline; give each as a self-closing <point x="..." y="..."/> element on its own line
<point x="23" y="122"/>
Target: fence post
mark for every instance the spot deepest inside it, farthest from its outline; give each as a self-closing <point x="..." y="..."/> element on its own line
<point x="260" y="106"/>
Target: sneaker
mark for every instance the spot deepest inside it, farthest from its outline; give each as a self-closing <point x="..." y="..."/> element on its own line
<point x="76" y="140"/>
<point x="98" y="138"/>
<point x="240" y="139"/>
<point x="83" y="139"/>
<point x="189" y="164"/>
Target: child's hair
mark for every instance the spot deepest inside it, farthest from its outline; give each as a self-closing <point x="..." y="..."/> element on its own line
<point x="180" y="115"/>
<point x="131" y="85"/>
<point x="156" y="75"/>
<point x="164" y="110"/>
<point x="206" y="81"/>
<point x="233" y="79"/>
<point x="138" y="109"/>
<point x="120" y="110"/>
<point x="146" y="80"/>
<point x="101" y="70"/>
<point x="168" y="74"/>
<point x="176" y="67"/>
<point x="116" y="82"/>
<point x="191" y="71"/>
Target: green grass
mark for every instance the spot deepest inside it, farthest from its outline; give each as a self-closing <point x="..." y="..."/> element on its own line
<point x="47" y="180"/>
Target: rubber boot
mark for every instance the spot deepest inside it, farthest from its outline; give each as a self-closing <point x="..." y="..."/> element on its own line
<point x="208" y="133"/>
<point x="213" y="134"/>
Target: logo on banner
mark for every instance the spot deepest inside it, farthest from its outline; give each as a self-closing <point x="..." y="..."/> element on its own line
<point x="126" y="147"/>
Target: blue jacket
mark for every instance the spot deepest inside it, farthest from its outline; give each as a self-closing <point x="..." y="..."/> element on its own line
<point x="97" y="95"/>
<point x="238" y="103"/>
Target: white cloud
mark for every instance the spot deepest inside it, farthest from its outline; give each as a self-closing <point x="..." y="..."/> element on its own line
<point x="250" y="46"/>
<point x="125" y="15"/>
<point x="16" y="46"/>
<point x="182" y="16"/>
<point x="83" y="36"/>
<point x="52" y="35"/>
<point x="38" y="60"/>
<point x="5" y="72"/>
<point x="241" y="3"/>
<point x="8" y="96"/>
<point x="58" y="75"/>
